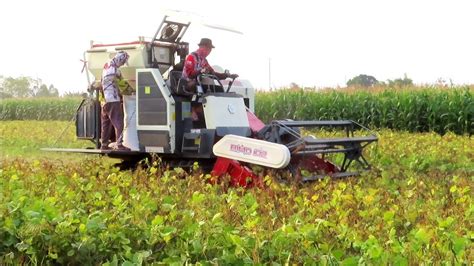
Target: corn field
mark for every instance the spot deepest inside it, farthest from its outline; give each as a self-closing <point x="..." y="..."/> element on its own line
<point x="429" y="109"/>
<point x="418" y="110"/>
<point x="39" y="108"/>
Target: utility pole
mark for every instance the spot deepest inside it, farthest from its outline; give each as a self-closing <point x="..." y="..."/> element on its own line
<point x="269" y="74"/>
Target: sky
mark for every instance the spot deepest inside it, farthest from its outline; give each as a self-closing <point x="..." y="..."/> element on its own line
<point x="310" y="43"/>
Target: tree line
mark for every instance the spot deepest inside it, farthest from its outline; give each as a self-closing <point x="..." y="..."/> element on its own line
<point x="364" y="80"/>
<point x="367" y="81"/>
<point x="25" y="87"/>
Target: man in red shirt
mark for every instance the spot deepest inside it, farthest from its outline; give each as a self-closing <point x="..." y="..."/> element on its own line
<point x="196" y="63"/>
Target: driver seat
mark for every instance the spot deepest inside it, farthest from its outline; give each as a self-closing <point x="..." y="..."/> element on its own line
<point x="177" y="84"/>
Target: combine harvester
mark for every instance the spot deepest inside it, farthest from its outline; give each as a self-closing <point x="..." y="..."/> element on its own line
<point x="228" y="138"/>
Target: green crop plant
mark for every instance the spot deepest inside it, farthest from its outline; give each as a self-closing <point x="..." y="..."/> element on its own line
<point x="416" y="110"/>
<point x="413" y="109"/>
<point x="413" y="207"/>
<point x="38" y="108"/>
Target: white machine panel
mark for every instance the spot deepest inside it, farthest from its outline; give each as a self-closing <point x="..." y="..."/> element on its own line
<point x="253" y="151"/>
<point x="244" y="88"/>
<point x="222" y="111"/>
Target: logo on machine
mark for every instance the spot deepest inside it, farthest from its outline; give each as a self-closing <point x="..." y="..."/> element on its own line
<point x="245" y="150"/>
<point x="231" y="108"/>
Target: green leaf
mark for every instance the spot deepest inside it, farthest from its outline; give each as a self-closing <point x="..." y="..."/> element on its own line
<point x="114" y="261"/>
<point x="423" y="236"/>
<point x="197" y="246"/>
<point x="446" y="223"/>
<point x="82" y="228"/>
<point x="22" y="246"/>
<point x="400" y="261"/>
<point x="459" y="244"/>
<point x="197" y="198"/>
<point x="168" y="230"/>
<point x="388" y="216"/>
<point x="95" y="224"/>
<point x="337" y="253"/>
<point x="97" y="195"/>
<point x="158" y="220"/>
<point x="168" y="200"/>
<point x="375" y="251"/>
<point x="237" y="240"/>
<point x="351" y="261"/>
<point x="53" y="255"/>
<point x="216" y="217"/>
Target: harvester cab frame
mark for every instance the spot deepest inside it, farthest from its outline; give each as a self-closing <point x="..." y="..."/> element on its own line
<point x="170" y="32"/>
<point x="225" y="136"/>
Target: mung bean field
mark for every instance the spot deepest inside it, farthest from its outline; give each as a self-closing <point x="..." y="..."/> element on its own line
<point x="414" y="206"/>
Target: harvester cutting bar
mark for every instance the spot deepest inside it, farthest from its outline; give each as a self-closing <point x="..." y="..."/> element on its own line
<point x="313" y="145"/>
<point x="322" y="123"/>
<point x="280" y="128"/>
<point x="351" y="148"/>
<point x="348" y="125"/>
<point x="288" y="133"/>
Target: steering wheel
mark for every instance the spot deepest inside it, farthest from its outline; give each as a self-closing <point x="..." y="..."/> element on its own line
<point x="230" y="85"/>
<point x="201" y="76"/>
<point x="214" y="77"/>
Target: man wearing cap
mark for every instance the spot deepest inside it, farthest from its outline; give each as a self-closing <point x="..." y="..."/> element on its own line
<point x="112" y="111"/>
<point x="196" y="63"/>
